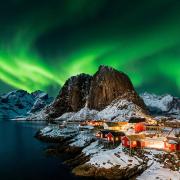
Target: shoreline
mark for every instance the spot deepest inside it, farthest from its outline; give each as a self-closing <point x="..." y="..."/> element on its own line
<point x="77" y="161"/>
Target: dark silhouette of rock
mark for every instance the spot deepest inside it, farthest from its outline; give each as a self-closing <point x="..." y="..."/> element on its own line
<point x="97" y="91"/>
<point x="72" y="96"/>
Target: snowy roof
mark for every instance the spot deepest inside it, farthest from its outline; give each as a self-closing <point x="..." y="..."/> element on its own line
<point x="172" y="142"/>
<point x="112" y="124"/>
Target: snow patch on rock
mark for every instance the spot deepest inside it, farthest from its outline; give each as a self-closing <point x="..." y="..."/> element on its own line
<point x="120" y="110"/>
<point x="82" y="139"/>
<point x="53" y="131"/>
<point x="108" y="159"/>
<point x="84" y="114"/>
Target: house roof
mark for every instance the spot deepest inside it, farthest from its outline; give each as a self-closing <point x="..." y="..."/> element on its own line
<point x="172" y="142"/>
<point x="105" y="131"/>
<point x="115" y="133"/>
<point x="173" y="139"/>
<point x="136" y="119"/>
<point x="136" y="137"/>
<point x="115" y="124"/>
<point x="112" y="124"/>
<point x="122" y="123"/>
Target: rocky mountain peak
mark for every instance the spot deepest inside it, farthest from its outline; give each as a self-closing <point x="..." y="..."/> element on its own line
<point x="72" y="96"/>
<point x="96" y="91"/>
<point x="108" y="84"/>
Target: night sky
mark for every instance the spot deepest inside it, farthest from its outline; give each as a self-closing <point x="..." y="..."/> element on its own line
<point x="42" y="42"/>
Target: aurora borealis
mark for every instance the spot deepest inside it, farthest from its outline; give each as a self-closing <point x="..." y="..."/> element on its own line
<point x="42" y="42"/>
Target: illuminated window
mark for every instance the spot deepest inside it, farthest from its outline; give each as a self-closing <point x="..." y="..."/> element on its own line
<point x="134" y="143"/>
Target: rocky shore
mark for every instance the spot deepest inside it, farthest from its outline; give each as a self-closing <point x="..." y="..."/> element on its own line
<point x="78" y="158"/>
<point x="87" y="157"/>
<point x="115" y="172"/>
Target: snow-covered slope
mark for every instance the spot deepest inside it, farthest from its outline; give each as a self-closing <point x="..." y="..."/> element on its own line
<point x="162" y="105"/>
<point x="20" y="103"/>
<point x="84" y="114"/>
<point x="118" y="110"/>
<point x="121" y="110"/>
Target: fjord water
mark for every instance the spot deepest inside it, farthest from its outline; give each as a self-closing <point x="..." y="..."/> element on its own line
<point x="22" y="156"/>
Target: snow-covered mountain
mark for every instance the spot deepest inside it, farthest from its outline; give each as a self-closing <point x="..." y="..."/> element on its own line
<point x="95" y="92"/>
<point x="121" y="110"/>
<point x="118" y="110"/>
<point x="166" y="105"/>
<point x="20" y="103"/>
<point x="32" y="106"/>
<point x="84" y="114"/>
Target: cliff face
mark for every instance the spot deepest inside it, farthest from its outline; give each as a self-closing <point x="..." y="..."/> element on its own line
<point x="108" y="84"/>
<point x="72" y="96"/>
<point x="96" y="91"/>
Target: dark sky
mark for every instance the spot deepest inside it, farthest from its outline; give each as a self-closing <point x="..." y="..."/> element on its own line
<point x="42" y="43"/>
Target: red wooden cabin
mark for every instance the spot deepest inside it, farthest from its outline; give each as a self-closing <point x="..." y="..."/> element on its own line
<point x="102" y="134"/>
<point x="172" y="144"/>
<point x="133" y="141"/>
<point x="115" y="136"/>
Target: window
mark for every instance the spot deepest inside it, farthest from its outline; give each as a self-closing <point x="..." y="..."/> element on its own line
<point x="134" y="143"/>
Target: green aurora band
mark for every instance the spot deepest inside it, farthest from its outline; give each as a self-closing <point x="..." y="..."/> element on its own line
<point x="44" y="43"/>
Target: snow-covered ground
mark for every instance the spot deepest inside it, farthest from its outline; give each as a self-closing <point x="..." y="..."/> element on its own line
<point x="93" y="148"/>
<point x="104" y="158"/>
<point x="156" y="170"/>
<point x="82" y="139"/>
<point x="110" y="158"/>
<point x="114" y="157"/>
<point x="54" y="131"/>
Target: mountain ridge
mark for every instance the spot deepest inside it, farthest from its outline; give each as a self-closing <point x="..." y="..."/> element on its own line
<point x="96" y="91"/>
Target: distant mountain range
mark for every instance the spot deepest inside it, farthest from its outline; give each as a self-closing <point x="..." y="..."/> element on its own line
<point x="20" y="103"/>
<point x="165" y="105"/>
<point x="108" y="94"/>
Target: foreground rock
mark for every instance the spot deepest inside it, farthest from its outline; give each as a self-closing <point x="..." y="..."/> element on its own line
<point x="55" y="134"/>
<point x="112" y="173"/>
<point x="111" y="164"/>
